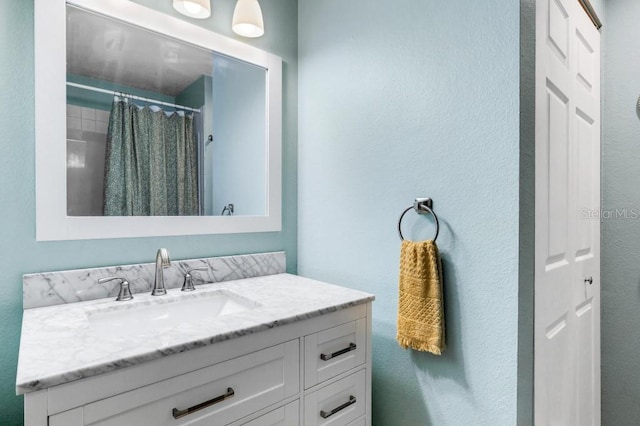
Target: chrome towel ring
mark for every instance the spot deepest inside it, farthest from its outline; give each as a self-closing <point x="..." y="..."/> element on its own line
<point x="421" y="206"/>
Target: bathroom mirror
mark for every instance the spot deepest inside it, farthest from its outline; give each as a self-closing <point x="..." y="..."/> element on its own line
<point x="121" y="89"/>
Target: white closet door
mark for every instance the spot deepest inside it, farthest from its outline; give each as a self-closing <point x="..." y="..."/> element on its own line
<point x="567" y="292"/>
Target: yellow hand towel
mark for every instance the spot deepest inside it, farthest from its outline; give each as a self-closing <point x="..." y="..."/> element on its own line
<point x="421" y="308"/>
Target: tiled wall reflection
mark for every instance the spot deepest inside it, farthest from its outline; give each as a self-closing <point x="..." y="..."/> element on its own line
<point x="88" y="119"/>
<point x="86" y="145"/>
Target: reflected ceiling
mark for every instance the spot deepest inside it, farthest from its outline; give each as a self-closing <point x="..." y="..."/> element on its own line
<point x="113" y="51"/>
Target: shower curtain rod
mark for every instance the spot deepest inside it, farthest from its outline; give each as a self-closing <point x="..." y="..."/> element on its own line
<point x="140" y="98"/>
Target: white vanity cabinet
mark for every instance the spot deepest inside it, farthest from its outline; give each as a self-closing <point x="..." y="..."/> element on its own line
<point x="315" y="371"/>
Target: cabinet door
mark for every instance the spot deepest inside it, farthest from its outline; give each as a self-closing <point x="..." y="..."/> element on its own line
<point x="67" y="418"/>
<point x="334" y="351"/>
<point x="215" y="395"/>
<point x="283" y="416"/>
<point x="336" y="404"/>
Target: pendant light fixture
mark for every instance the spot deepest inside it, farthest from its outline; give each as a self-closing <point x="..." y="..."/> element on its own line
<point x="247" y="19"/>
<point x="199" y="9"/>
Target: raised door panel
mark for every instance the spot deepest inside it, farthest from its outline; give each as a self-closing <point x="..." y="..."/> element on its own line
<point x="587" y="403"/>
<point x="558" y="177"/>
<point x="585" y="182"/>
<point x="558" y="30"/>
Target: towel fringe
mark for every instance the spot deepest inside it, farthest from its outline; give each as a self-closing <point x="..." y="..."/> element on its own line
<point x="406" y="343"/>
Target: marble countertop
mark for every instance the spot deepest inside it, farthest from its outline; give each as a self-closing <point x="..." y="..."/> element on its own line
<point x="59" y="345"/>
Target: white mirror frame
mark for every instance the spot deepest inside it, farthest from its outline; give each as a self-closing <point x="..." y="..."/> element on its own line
<point x="52" y="222"/>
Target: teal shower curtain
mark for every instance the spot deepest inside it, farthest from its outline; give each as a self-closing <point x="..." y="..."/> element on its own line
<point x="151" y="166"/>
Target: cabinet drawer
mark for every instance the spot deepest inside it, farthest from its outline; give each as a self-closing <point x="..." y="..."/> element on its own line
<point x="336" y="404"/>
<point x="360" y="422"/>
<point x="215" y="395"/>
<point x="283" y="416"/>
<point x="334" y="351"/>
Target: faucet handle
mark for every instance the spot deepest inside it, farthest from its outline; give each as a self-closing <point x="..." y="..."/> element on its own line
<point x="187" y="285"/>
<point x="124" y="293"/>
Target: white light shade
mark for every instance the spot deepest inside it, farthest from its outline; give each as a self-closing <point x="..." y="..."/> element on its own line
<point x="199" y="9"/>
<point x="247" y="19"/>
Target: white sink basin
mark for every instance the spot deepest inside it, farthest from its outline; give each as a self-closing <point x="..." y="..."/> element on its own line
<point x="166" y="312"/>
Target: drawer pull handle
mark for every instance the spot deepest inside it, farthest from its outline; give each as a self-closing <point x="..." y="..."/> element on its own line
<point x="325" y="415"/>
<point x="352" y="347"/>
<point x="181" y="413"/>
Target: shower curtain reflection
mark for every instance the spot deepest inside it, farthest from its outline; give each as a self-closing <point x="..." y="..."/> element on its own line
<point x="151" y="166"/>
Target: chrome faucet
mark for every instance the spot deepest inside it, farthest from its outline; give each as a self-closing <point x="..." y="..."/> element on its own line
<point x="162" y="261"/>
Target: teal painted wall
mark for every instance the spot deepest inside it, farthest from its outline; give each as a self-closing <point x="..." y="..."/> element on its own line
<point x="620" y="294"/>
<point x="20" y="252"/>
<point x="407" y="99"/>
<point x="193" y="96"/>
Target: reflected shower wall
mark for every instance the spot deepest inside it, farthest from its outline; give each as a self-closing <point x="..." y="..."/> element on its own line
<point x="86" y="145"/>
